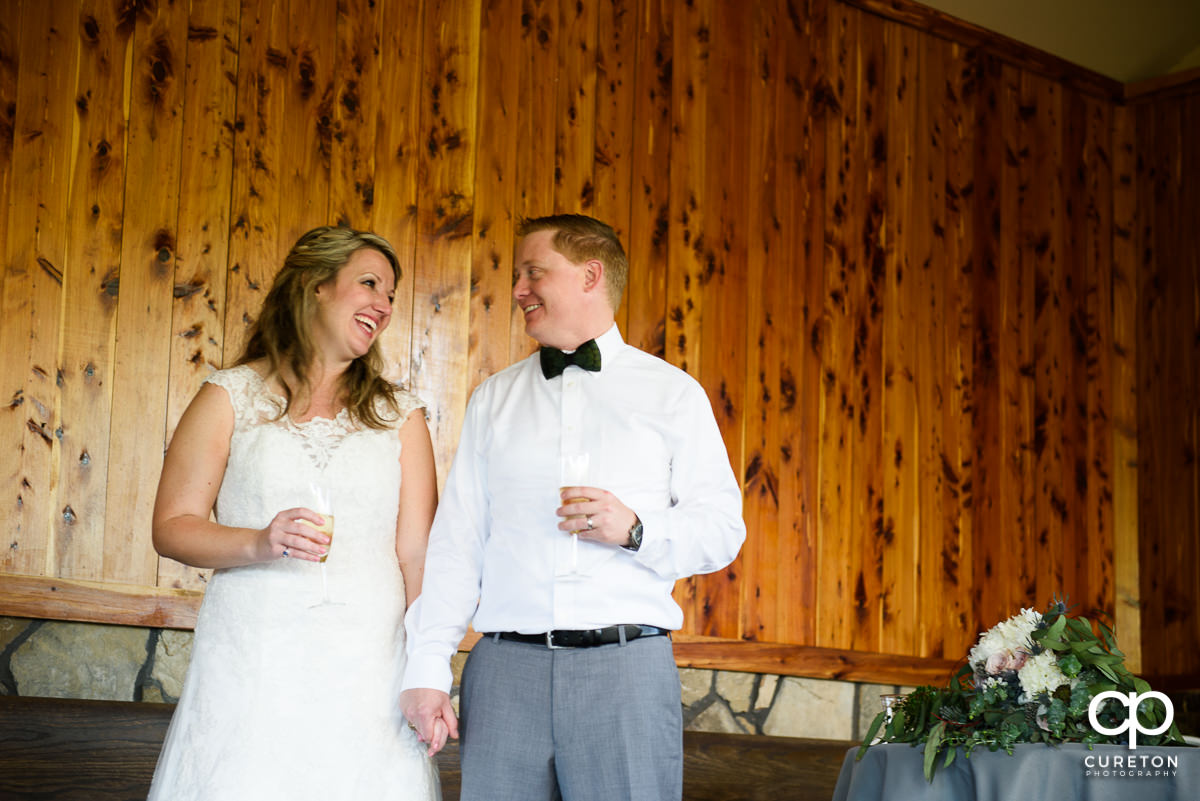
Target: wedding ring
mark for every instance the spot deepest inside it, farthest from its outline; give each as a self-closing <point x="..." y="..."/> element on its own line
<point x="285" y="550"/>
<point x="589" y="522"/>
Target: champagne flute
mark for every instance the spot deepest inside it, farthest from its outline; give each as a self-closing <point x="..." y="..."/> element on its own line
<point x="323" y="504"/>
<point x="574" y="473"/>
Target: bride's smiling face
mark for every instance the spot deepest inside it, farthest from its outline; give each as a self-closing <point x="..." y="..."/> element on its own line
<point x="355" y="307"/>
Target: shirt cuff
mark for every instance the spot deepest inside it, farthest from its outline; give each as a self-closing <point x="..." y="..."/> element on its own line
<point x="427" y="672"/>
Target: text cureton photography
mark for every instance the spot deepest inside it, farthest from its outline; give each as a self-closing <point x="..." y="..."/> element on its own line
<point x="1130" y="765"/>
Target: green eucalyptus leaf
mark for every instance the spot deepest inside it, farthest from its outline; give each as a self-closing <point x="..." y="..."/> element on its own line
<point x="931" y="749"/>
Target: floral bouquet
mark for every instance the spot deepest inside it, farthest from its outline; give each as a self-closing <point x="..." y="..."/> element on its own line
<point x="1029" y="679"/>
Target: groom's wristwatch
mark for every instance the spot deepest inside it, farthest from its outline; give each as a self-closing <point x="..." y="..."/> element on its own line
<point x="635" y="535"/>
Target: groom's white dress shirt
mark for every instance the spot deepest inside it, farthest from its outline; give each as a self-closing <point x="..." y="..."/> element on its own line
<point x="496" y="556"/>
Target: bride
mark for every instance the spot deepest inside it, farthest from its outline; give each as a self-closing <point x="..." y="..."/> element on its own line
<point x="292" y="688"/>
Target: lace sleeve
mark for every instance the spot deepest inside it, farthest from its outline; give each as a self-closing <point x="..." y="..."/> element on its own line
<point x="250" y="404"/>
<point x="407" y="403"/>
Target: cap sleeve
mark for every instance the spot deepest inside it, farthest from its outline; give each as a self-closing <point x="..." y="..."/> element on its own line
<point x="407" y="403"/>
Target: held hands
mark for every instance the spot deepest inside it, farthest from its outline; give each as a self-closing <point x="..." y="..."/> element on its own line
<point x="289" y="535"/>
<point x="595" y="514"/>
<point x="431" y="715"/>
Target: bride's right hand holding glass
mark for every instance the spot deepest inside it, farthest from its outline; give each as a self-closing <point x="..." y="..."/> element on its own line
<point x="298" y="533"/>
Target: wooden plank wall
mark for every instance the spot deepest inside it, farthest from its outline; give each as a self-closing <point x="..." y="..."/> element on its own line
<point x="1167" y="341"/>
<point x="912" y="273"/>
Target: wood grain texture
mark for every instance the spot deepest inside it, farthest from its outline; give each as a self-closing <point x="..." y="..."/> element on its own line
<point x="202" y="240"/>
<point x="106" y="750"/>
<point x="148" y="252"/>
<point x="446" y="174"/>
<point x="537" y="119"/>
<point x="255" y="254"/>
<point x="79" y="750"/>
<point x="94" y="236"/>
<point x="574" y="118"/>
<point x="35" y="255"/>
<point x="1030" y="59"/>
<point x="397" y="158"/>
<point x="1169" y="551"/>
<point x="1126" y="228"/>
<point x="99" y="602"/>
<point x="952" y="573"/>
<point x="939" y="290"/>
<point x="493" y="325"/>
<point x="647" y="243"/>
<point x="691" y="41"/>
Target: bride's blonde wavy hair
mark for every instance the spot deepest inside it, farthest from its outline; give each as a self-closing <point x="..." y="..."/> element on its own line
<point x="282" y="334"/>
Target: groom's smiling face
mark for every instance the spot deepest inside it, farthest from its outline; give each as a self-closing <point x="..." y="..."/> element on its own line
<point x="550" y="290"/>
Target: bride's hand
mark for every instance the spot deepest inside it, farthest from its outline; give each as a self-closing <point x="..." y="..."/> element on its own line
<point x="288" y="536"/>
<point x="441" y="732"/>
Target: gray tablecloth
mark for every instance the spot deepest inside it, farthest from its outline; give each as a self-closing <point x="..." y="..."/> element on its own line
<point x="890" y="772"/>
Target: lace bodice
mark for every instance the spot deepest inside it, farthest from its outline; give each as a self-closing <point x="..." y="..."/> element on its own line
<point x="254" y="404"/>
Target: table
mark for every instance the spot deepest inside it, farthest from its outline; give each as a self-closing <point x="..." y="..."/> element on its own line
<point x="1033" y="772"/>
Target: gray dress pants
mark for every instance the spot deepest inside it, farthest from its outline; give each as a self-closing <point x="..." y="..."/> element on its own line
<point x="581" y="724"/>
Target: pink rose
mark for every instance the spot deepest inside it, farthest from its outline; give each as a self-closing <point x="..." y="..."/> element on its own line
<point x="995" y="663"/>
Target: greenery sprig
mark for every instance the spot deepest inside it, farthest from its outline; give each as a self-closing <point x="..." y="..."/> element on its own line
<point x="1030" y="679"/>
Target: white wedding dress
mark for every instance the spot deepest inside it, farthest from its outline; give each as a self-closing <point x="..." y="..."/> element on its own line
<point x="283" y="699"/>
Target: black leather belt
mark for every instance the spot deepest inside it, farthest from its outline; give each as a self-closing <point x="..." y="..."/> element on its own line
<point x="583" y="638"/>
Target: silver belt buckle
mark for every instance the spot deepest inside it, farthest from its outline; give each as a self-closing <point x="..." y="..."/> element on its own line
<point x="550" y="642"/>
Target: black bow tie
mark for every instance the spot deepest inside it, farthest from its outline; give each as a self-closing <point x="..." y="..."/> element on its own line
<point x="554" y="361"/>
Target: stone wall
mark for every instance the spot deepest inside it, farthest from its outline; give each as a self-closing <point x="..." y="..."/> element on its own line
<point x="87" y="660"/>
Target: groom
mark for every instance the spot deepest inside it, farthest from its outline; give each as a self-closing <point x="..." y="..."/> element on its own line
<point x="572" y="690"/>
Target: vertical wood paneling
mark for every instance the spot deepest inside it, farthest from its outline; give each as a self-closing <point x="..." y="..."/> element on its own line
<point x="722" y="281"/>
<point x="575" y="113"/>
<point x="305" y="159"/>
<point x="646" y="245"/>
<point x="355" y="108"/>
<point x="397" y="158"/>
<point x="689" y="131"/>
<point x="928" y="272"/>
<point x="90" y="279"/>
<point x="953" y="567"/>
<point x="495" y="192"/>
<point x="768" y="292"/>
<point x="1125" y="237"/>
<point x="616" y="63"/>
<point x="442" y="293"/>
<point x="687" y="221"/>
<point x="782" y="328"/>
<point x="10" y="25"/>
<point x="1167" y="404"/>
<point x="1042" y="257"/>
<point x="254" y="250"/>
<point x="1004" y="361"/>
<point x="537" y="108"/>
<point x="1188" y="630"/>
<point x="807" y="112"/>
<point x="865" y="377"/>
<point x="945" y="320"/>
<point x="11" y="323"/>
<point x="206" y="173"/>
<point x="148" y="251"/>
<point x="906" y="323"/>
<point x="34" y="255"/>
<point x="1151" y="391"/>
<point x="838" y="605"/>
<point x="1094" y="530"/>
